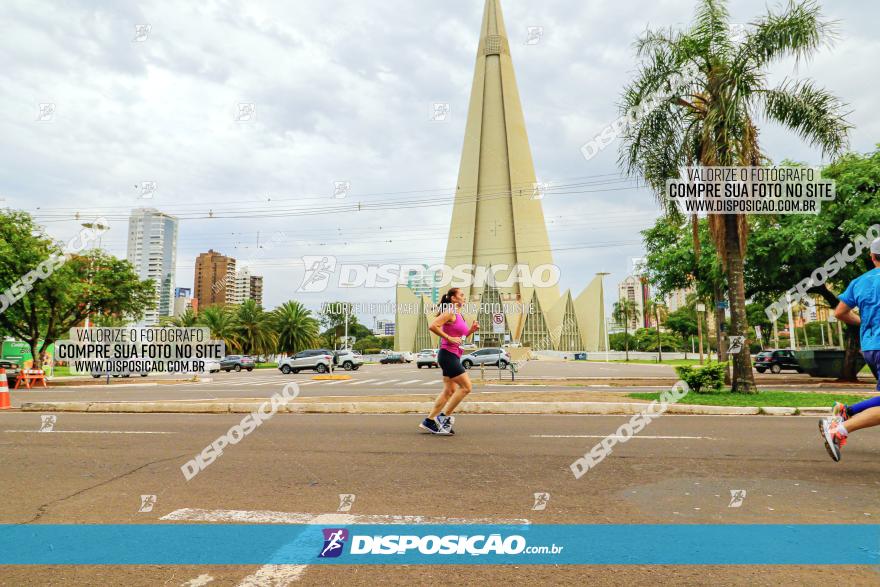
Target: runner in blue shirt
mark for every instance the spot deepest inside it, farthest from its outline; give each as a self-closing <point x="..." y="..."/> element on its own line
<point x="862" y="293"/>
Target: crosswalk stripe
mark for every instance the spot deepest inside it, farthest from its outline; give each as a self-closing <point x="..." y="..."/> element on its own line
<point x="431" y="382"/>
<point x="337" y="382"/>
<point x="361" y="381"/>
<point x="307" y="382"/>
<point x="408" y="382"/>
<point x="386" y="382"/>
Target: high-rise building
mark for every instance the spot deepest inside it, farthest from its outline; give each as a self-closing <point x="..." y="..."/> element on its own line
<point x="498" y="226"/>
<point x="247" y="287"/>
<point x="632" y="289"/>
<point x="152" y="249"/>
<point x="214" y="279"/>
<point x="257" y="289"/>
<point x="384" y="328"/>
<point x="677" y="299"/>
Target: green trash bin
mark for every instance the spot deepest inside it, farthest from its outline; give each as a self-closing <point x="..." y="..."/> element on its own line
<point x="825" y="362"/>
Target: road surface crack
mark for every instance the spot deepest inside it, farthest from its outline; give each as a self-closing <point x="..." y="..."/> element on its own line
<point x="43" y="509"/>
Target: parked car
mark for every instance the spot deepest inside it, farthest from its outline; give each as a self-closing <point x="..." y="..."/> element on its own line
<point x="776" y="361"/>
<point x="212" y="366"/>
<point x="320" y="360"/>
<point x="348" y="359"/>
<point x="490" y="356"/>
<point x="393" y="358"/>
<point x="236" y="363"/>
<point x="12" y="369"/>
<point x="427" y="358"/>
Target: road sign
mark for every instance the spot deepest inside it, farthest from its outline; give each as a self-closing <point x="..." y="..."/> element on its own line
<point x="701" y="307"/>
<point x="497" y="322"/>
<point x="722" y="305"/>
<point x="758" y="332"/>
<point x="736" y="344"/>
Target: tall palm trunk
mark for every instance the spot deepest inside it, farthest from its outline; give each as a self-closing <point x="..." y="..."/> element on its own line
<point x="743" y="378"/>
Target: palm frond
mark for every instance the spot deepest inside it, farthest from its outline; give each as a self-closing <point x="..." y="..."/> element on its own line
<point x="813" y="113"/>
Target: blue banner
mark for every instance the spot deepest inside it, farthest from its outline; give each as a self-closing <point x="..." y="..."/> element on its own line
<point x="248" y="544"/>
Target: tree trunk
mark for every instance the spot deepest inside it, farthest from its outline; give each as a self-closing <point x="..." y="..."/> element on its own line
<point x="743" y="378"/>
<point x="850" y="365"/>
<point x="35" y="353"/>
<point x="720" y="338"/>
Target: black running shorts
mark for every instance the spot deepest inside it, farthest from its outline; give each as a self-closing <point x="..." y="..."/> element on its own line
<point x="450" y="363"/>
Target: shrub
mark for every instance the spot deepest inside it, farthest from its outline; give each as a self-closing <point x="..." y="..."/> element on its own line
<point x="704" y="379"/>
<point x="372" y="351"/>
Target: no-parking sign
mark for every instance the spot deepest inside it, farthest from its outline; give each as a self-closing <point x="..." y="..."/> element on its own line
<point x="498" y="322"/>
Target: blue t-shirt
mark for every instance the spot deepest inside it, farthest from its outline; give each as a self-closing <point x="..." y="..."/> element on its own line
<point x="863" y="293"/>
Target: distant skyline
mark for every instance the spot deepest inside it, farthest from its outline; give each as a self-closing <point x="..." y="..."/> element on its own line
<point x="260" y="113"/>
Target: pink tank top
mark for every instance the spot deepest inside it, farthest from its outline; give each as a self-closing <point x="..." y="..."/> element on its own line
<point x="457" y="328"/>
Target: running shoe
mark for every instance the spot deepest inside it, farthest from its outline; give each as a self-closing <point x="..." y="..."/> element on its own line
<point x="450" y="418"/>
<point x="839" y="411"/>
<point x="434" y="427"/>
<point x="445" y="423"/>
<point x="833" y="439"/>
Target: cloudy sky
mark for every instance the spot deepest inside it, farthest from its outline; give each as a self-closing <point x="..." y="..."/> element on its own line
<point x="341" y="91"/>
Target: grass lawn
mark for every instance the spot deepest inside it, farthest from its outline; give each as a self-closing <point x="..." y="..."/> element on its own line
<point x="765" y="398"/>
<point x="267" y="365"/>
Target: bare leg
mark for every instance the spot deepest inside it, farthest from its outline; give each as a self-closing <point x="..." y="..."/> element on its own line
<point x="448" y="389"/>
<point x="463" y="382"/>
<point x="866" y="419"/>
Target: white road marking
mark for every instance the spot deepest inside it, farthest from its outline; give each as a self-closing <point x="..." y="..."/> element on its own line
<point x="337" y="382"/>
<point x="306" y="382"/>
<point x="282" y="575"/>
<point x="620" y="437"/>
<point x="409" y="382"/>
<point x="272" y="517"/>
<point x="387" y="382"/>
<point x="353" y="381"/>
<point x="431" y="382"/>
<point x="90" y="432"/>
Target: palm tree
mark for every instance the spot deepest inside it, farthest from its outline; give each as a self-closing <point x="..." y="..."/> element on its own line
<point x="186" y="320"/>
<point x="711" y="122"/>
<point x="254" y="326"/>
<point x="624" y="312"/>
<point x="222" y="324"/>
<point x="653" y="309"/>
<point x="295" y="327"/>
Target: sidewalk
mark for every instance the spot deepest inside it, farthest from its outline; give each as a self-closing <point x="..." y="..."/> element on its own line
<point x="550" y="402"/>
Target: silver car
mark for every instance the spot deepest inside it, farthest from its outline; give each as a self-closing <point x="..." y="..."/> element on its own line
<point x="349" y="360"/>
<point x="319" y="360"/>
<point x="490" y="356"/>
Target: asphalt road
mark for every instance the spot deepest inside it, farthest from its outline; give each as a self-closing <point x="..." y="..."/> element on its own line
<point x="94" y="468"/>
<point x="368" y="380"/>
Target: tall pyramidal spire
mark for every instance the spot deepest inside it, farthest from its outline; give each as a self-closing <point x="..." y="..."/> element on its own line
<point x="496" y="217"/>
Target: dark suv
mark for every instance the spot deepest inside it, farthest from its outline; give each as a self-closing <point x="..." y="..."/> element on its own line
<point x="236" y="363"/>
<point x="776" y="361"/>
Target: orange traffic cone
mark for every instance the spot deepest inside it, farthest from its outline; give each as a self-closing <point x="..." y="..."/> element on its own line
<point x="4" y="391"/>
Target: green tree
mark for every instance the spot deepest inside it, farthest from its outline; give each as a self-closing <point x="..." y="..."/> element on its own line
<point x="624" y="312"/>
<point x="295" y="326"/>
<point x="333" y="317"/>
<point x="786" y="250"/>
<point x="77" y="285"/>
<point x="255" y="329"/>
<point x="656" y="310"/>
<point x="709" y="120"/>
<point x="187" y="319"/>
<point x="221" y="321"/>
<point x="683" y="322"/>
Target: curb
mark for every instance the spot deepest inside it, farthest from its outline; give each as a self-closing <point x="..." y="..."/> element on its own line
<point x="355" y="407"/>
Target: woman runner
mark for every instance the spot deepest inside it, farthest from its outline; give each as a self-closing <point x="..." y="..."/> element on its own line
<point x="452" y="329"/>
